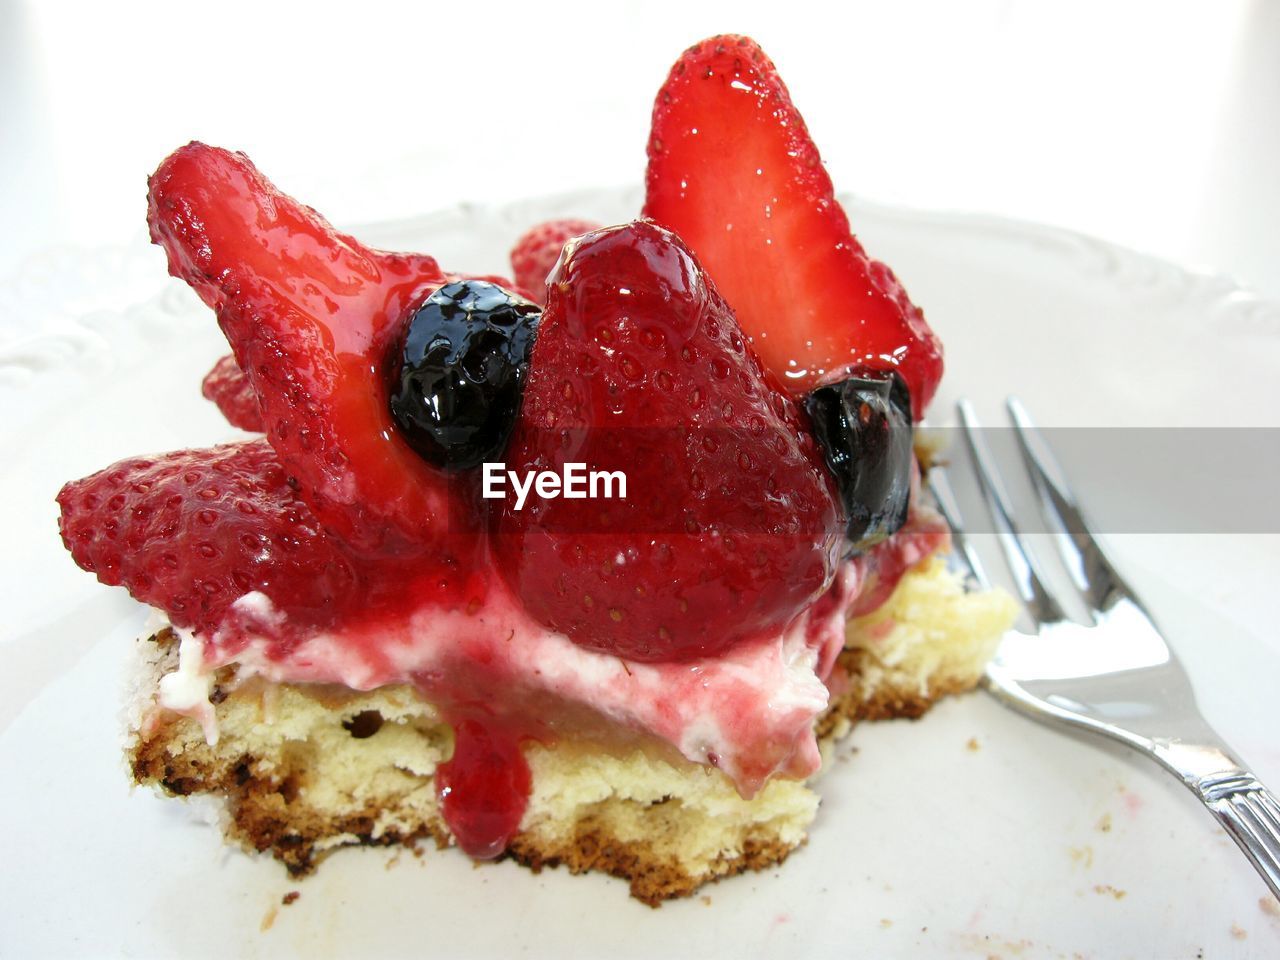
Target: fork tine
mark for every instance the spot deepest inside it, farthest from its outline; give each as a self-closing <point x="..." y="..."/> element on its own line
<point x="1082" y="555"/>
<point x="1269" y="804"/>
<point x="945" y="499"/>
<point x="1022" y="564"/>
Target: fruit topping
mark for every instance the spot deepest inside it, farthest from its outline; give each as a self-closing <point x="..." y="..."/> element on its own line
<point x="733" y="171"/>
<point x="538" y="249"/>
<point x="459" y="372"/>
<point x="311" y="315"/>
<point x="228" y="387"/>
<point x="192" y="532"/>
<point x="731" y="523"/>
<point x="863" y="425"/>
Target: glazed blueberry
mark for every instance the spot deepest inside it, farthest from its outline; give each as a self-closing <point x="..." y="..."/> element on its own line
<point x="460" y="370"/>
<point x="863" y="425"/>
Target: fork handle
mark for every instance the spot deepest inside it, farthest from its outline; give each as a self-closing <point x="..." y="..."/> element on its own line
<point x="1250" y="814"/>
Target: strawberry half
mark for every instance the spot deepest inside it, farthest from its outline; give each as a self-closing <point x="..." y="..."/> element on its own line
<point x="730" y="523"/>
<point x="228" y="388"/>
<point x="191" y="532"/>
<point x="310" y="314"/>
<point x="733" y="171"/>
<point x="536" y="252"/>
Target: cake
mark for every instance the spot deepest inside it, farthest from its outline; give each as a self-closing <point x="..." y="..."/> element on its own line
<point x="585" y="567"/>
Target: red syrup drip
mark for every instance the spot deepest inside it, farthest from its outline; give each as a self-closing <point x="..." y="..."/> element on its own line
<point x="483" y="788"/>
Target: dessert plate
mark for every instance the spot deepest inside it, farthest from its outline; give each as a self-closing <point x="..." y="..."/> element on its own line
<point x="969" y="832"/>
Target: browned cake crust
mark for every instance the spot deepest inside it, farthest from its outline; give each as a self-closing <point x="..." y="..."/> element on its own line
<point x="652" y="879"/>
<point x="264" y="808"/>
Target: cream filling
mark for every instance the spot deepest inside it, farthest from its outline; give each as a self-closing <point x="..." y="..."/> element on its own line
<point x="186" y="690"/>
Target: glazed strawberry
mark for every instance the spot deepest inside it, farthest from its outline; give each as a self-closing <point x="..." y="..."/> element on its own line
<point x="537" y="250"/>
<point x="730" y="523"/>
<point x="191" y="532"/>
<point x="310" y="314"/>
<point x="733" y="171"/>
<point x="228" y="387"/>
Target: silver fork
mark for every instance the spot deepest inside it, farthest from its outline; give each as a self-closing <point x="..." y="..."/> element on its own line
<point x="1117" y="676"/>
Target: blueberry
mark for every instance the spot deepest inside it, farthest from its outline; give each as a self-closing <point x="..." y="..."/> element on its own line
<point x="459" y="372"/>
<point x="863" y="425"/>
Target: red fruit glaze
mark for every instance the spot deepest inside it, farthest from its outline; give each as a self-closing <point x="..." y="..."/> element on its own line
<point x="228" y="387"/>
<point x="310" y="314"/>
<point x="191" y="532"/>
<point x="538" y="249"/>
<point x="504" y="282"/>
<point x="733" y="171"/>
<point x="731" y="523"/>
<point x="483" y="788"/>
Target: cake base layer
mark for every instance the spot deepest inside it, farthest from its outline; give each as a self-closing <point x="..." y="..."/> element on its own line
<point x="305" y="769"/>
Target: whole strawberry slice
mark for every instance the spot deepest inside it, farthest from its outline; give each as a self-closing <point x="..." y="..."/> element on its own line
<point x="730" y="522"/>
<point x="538" y="249"/>
<point x="310" y="314"/>
<point x="733" y="171"/>
<point x="191" y="532"/>
<point x="228" y="387"/>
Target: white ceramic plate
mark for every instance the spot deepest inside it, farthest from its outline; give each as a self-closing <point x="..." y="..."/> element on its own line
<point x="971" y="832"/>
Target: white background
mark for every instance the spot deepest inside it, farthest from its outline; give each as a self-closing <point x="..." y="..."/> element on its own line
<point x="1151" y="124"/>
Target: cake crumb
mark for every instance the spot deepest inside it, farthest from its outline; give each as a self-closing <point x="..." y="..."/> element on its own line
<point x="1238" y="932"/>
<point x="1082" y="855"/>
<point x="1104" y="825"/>
<point x="989" y="945"/>
<point x="973" y="746"/>
<point x="269" y="919"/>
<point x="706" y="901"/>
<point x="1107" y="888"/>
<point x="1269" y="906"/>
<point x="885" y="923"/>
<point x="290" y="898"/>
